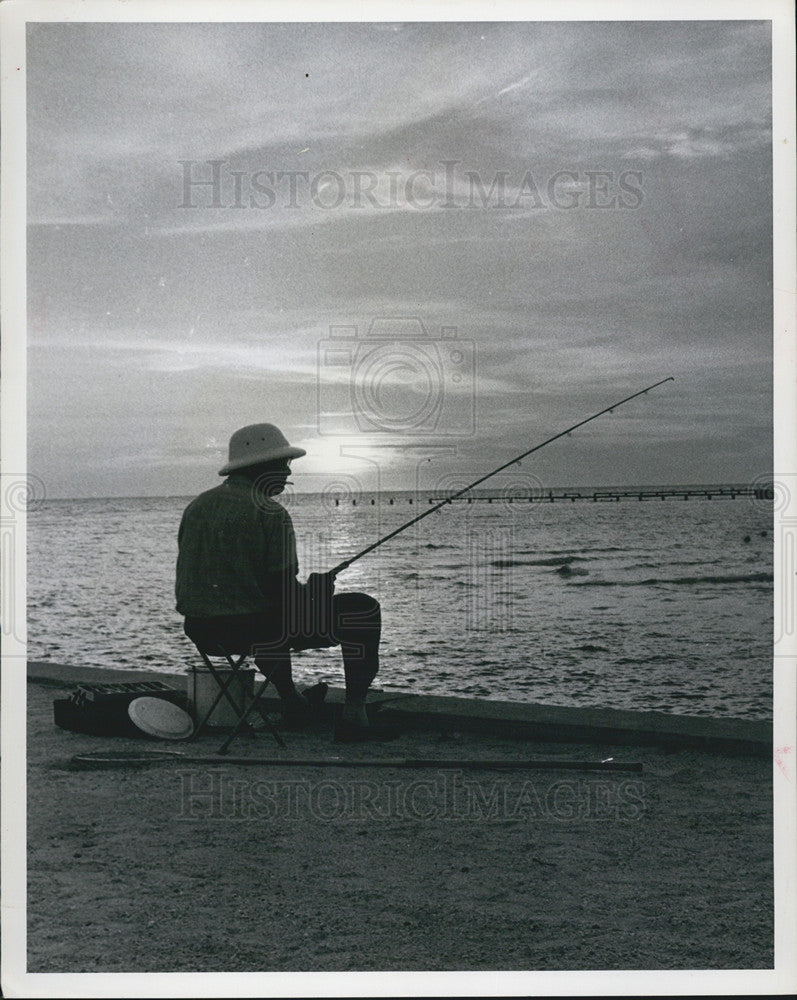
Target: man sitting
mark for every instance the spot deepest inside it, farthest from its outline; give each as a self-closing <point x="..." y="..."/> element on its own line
<point x="237" y="587"/>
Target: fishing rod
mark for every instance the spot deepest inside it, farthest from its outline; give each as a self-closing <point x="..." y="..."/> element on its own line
<point x="456" y="496"/>
<point x="131" y="758"/>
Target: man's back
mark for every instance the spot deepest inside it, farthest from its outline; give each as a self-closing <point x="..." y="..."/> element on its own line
<point x="237" y="587"/>
<point x="229" y="539"/>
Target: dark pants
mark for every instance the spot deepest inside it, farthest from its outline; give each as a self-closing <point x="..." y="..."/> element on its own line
<point x="353" y="622"/>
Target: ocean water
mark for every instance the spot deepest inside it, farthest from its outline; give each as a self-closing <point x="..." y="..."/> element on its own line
<point x="656" y="605"/>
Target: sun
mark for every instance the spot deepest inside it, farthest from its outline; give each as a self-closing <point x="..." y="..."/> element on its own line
<point x="356" y="462"/>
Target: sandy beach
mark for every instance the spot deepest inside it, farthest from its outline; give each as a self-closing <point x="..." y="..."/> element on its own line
<point x="184" y="866"/>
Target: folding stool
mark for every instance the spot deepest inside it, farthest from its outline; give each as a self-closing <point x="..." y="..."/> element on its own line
<point x="235" y="659"/>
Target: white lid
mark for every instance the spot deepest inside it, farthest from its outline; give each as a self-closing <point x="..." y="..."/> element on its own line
<point x="160" y="718"/>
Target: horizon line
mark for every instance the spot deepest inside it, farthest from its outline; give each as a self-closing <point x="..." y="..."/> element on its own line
<point x="632" y="487"/>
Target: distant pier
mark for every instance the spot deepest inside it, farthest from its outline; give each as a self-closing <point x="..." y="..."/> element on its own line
<point x="616" y="495"/>
<point x="587" y="495"/>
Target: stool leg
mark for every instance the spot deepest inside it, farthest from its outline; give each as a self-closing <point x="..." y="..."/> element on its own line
<point x="255" y="703"/>
<point x="223" y="691"/>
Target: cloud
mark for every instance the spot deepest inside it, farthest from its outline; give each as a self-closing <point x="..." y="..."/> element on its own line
<point x="165" y="326"/>
<point x="703" y="142"/>
<point x="149" y="101"/>
<point x="522" y="82"/>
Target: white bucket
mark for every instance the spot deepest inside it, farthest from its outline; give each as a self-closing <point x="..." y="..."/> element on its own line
<point x="203" y="689"/>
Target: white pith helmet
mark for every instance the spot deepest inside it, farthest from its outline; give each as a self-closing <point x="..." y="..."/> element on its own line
<point x="258" y="443"/>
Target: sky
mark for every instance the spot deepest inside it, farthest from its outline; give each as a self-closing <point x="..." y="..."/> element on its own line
<point x="419" y="249"/>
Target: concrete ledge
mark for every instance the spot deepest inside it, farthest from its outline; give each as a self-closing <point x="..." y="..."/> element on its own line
<point x="553" y="723"/>
<point x="545" y="723"/>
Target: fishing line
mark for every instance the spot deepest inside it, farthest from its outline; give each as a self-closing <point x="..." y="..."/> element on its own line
<point x="477" y="482"/>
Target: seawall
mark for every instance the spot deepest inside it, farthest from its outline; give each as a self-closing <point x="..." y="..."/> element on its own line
<point x="545" y="723"/>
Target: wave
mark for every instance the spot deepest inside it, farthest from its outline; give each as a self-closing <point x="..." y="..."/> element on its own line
<point x="638" y="660"/>
<point x="654" y="581"/>
<point x="566" y="552"/>
<point x="558" y="561"/>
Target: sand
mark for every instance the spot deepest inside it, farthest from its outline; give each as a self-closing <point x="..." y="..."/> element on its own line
<point x="135" y="870"/>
